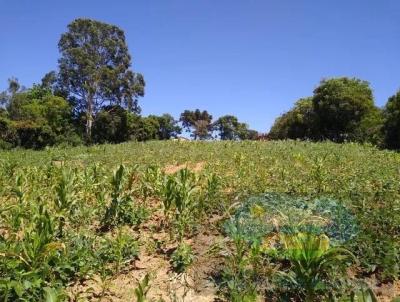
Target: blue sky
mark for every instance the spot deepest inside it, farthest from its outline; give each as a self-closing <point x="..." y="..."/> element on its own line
<point x="250" y="58"/>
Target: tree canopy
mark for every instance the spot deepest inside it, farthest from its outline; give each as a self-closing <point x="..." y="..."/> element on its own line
<point x="391" y="126"/>
<point x="297" y="123"/>
<point x="339" y="105"/>
<point x="341" y="109"/>
<point x="198" y="123"/>
<point x="95" y="69"/>
<point x="229" y="128"/>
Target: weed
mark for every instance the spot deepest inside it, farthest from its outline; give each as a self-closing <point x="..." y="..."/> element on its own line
<point x="182" y="257"/>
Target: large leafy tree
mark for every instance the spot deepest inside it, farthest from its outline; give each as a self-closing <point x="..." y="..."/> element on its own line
<point x="229" y="128"/>
<point x="143" y="128"/>
<point x="168" y="126"/>
<point x="38" y="118"/>
<point x="198" y="122"/>
<point x="95" y="69"/>
<point x="392" y="122"/>
<point x="297" y="123"/>
<point x="340" y="104"/>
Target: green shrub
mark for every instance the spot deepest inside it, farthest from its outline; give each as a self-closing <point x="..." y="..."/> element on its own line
<point x="182" y="257"/>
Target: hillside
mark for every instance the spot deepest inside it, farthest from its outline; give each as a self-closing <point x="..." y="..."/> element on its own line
<point x="91" y="222"/>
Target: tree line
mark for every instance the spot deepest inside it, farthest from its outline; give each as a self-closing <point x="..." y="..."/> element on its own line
<point x="93" y="98"/>
<point x="342" y="109"/>
<point x="37" y="117"/>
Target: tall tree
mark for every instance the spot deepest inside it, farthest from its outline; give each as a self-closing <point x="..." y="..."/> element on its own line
<point x="229" y="128"/>
<point x="340" y="105"/>
<point x="392" y="122"/>
<point x="168" y="126"/>
<point x="49" y="80"/>
<point x="297" y="123"/>
<point x="13" y="87"/>
<point x="199" y="123"/>
<point x="95" y="69"/>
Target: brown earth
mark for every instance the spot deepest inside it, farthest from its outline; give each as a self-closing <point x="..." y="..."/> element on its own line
<point x="194" y="167"/>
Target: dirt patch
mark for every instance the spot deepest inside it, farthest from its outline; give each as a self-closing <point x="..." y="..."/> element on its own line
<point x="195" y="285"/>
<point x="385" y="292"/>
<point x="67" y="163"/>
<point x="194" y="167"/>
<point x="156" y="246"/>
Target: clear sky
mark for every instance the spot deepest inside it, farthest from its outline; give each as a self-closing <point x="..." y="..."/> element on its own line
<point x="250" y="58"/>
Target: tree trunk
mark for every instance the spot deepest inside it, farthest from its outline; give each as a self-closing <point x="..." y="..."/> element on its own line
<point x="89" y="118"/>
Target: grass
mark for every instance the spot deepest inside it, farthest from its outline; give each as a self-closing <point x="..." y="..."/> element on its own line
<point x="59" y="206"/>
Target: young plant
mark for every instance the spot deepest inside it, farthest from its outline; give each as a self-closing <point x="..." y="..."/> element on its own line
<point x="313" y="263"/>
<point x="179" y="195"/>
<point x="121" y="209"/>
<point x="119" y="250"/>
<point x="182" y="257"/>
<point x="210" y="201"/>
<point x="152" y="182"/>
<point x="31" y="262"/>
<point x="361" y="295"/>
<point x="238" y="274"/>
<point x="64" y="201"/>
<point x="142" y="289"/>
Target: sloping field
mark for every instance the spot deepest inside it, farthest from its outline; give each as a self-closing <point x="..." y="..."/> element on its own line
<point x="90" y="223"/>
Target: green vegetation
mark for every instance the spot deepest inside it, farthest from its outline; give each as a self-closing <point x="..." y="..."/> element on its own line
<point x="93" y="98"/>
<point x="341" y="109"/>
<point x="282" y="221"/>
<point x="296" y="216"/>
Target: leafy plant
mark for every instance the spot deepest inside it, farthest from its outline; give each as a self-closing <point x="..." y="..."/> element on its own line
<point x="30" y="263"/>
<point x="238" y="274"/>
<point x="121" y="249"/>
<point x="64" y="200"/>
<point x="121" y="209"/>
<point x="179" y="195"/>
<point x="361" y="295"/>
<point x="182" y="257"/>
<point x="142" y="289"/>
<point x="313" y="262"/>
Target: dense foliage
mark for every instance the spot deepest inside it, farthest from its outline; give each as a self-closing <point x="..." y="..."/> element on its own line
<point x="93" y="98"/>
<point x="94" y="69"/>
<point x="392" y="122"/>
<point x="341" y="109"/>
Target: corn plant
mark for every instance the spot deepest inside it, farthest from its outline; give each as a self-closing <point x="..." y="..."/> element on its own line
<point x="53" y="295"/>
<point x="362" y="294"/>
<point x="313" y="262"/>
<point x="121" y="209"/>
<point x="124" y="249"/>
<point x="31" y="260"/>
<point x="151" y="182"/>
<point x="210" y="201"/>
<point x="179" y="195"/>
<point x="142" y="289"/>
<point x="64" y="201"/>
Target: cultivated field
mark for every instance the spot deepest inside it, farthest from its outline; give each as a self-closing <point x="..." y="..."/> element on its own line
<point x="200" y="221"/>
